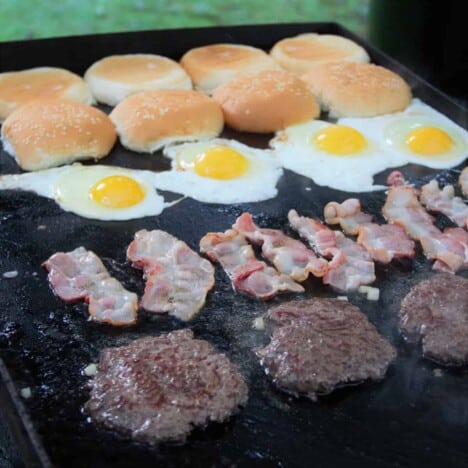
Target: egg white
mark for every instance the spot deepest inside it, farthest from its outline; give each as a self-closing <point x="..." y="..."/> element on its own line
<point x="70" y="187"/>
<point x="296" y="150"/>
<point x="392" y="129"/>
<point x="256" y="184"/>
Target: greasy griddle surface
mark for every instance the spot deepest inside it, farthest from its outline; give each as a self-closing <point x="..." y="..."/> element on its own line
<point x="417" y="415"/>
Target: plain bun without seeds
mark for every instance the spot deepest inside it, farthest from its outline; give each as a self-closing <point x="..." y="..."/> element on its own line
<point x="212" y="65"/>
<point x="52" y="132"/>
<point x="266" y="102"/>
<point x="148" y="121"/>
<point x="303" y="52"/>
<point x="20" y="87"/>
<point x="116" y="77"/>
<point x="351" y="89"/>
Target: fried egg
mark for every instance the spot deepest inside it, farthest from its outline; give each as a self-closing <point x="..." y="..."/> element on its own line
<point x="419" y="135"/>
<point x="337" y="156"/>
<point x="220" y="171"/>
<point x="96" y="192"/>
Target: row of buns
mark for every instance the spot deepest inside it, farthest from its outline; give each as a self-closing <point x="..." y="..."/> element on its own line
<point x="205" y="68"/>
<point x="241" y="86"/>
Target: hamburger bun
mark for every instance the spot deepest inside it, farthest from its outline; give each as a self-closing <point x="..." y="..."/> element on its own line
<point x="301" y="53"/>
<point x="150" y="120"/>
<point x="113" y="78"/>
<point x="351" y="89"/>
<point x="51" y="132"/>
<point x="213" y="65"/>
<point x="19" y="87"/>
<point x="266" y="102"/>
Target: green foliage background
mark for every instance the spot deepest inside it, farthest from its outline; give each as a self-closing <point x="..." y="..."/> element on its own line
<point x="24" y="19"/>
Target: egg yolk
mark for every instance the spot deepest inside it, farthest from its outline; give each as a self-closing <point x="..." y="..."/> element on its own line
<point x="340" y="140"/>
<point x="220" y="162"/>
<point x="428" y="141"/>
<point x="117" y="191"/>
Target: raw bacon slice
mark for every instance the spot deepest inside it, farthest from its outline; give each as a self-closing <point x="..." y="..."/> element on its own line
<point x="459" y="235"/>
<point x="321" y="238"/>
<point x="177" y="278"/>
<point x="402" y="207"/>
<point x="238" y="260"/>
<point x="444" y="201"/>
<point x="347" y="214"/>
<point x="351" y="265"/>
<point x="81" y="275"/>
<point x="463" y="181"/>
<point x="355" y="266"/>
<point x="396" y="179"/>
<point x="383" y="242"/>
<point x="288" y="255"/>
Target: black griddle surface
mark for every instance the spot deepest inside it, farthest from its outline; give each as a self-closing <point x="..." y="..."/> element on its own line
<point x="417" y="416"/>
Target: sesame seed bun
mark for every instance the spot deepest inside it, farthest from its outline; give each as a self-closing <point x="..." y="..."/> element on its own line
<point x="351" y="89"/>
<point x="19" y="87"/>
<point x="150" y="120"/>
<point x="52" y="132"/>
<point x="301" y="53"/>
<point x="113" y="78"/>
<point x="266" y="102"/>
<point x="212" y="65"/>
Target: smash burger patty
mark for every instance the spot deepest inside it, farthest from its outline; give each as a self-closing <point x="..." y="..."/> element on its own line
<point x="159" y="388"/>
<point x="319" y="344"/>
<point x="436" y="312"/>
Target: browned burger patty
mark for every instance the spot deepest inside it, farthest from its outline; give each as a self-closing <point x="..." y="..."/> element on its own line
<point x="319" y="344"/>
<point x="159" y="388"/>
<point x="436" y="311"/>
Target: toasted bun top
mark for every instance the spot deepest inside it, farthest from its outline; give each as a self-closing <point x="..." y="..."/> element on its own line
<point x="50" y="132"/>
<point x="266" y="102"/>
<point x="351" y="89"/>
<point x="134" y="68"/>
<point x="113" y="78"/>
<point x="212" y="65"/>
<point x="146" y="121"/>
<point x="18" y="88"/>
<point x="300" y="53"/>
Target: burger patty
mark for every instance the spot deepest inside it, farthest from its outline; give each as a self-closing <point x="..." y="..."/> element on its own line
<point x="436" y="312"/>
<point x="159" y="388"/>
<point x="319" y="344"/>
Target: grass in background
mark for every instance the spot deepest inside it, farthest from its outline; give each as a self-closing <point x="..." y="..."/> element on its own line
<point x="28" y="19"/>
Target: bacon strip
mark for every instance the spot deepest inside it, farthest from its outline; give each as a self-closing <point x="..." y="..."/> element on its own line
<point x="396" y="179"/>
<point x="444" y="201"/>
<point x="238" y="260"/>
<point x="177" y="278"/>
<point x="347" y="214"/>
<point x="350" y="265"/>
<point x="383" y="242"/>
<point x="459" y="235"/>
<point x="288" y="255"/>
<point x="81" y="275"/>
<point x="402" y="207"/>
<point x="463" y="181"/>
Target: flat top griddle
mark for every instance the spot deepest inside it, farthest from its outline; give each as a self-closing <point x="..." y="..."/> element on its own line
<point x="417" y="415"/>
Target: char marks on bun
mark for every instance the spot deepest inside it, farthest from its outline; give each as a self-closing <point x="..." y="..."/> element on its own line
<point x="20" y="87"/>
<point x="51" y="132"/>
<point x="303" y="52"/>
<point x="266" y="102"/>
<point x="150" y="120"/>
<point x="113" y="78"/>
<point x="351" y="89"/>
<point x="212" y="65"/>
